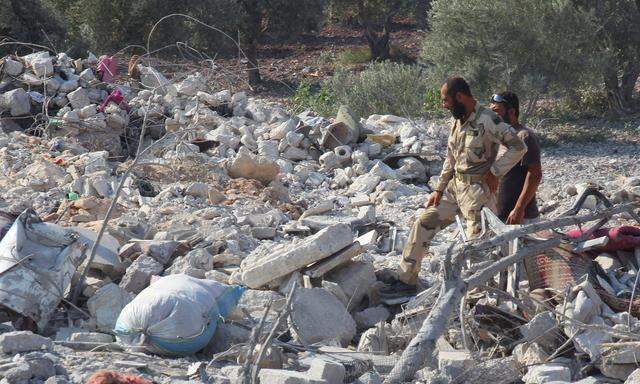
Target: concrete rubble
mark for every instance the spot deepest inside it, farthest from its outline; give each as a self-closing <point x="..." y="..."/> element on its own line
<point x="241" y="191"/>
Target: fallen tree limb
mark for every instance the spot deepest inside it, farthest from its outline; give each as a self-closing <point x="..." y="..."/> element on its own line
<point x="420" y="351"/>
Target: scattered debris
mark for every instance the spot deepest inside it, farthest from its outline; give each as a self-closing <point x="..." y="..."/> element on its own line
<point x="209" y="192"/>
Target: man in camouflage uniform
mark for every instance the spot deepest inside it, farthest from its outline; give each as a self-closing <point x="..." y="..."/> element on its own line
<point x="469" y="177"/>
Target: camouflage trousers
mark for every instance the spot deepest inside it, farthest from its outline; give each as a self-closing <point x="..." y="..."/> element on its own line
<point x="465" y="195"/>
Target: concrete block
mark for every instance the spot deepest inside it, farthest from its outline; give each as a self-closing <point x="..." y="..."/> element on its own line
<point x="323" y="244"/>
<point x="329" y="371"/>
<point x="105" y="306"/>
<point x="317" y="316"/>
<point x="12" y="67"/>
<point x="79" y="98"/>
<point x="138" y="275"/>
<point x="545" y="373"/>
<point x="453" y="363"/>
<point x="23" y="341"/>
<point x="281" y="376"/>
<point x="17" y="101"/>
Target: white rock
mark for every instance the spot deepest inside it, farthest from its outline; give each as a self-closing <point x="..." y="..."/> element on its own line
<point x="17" y="101"/>
<point x="319" y="316"/>
<point x="78" y="98"/>
<point x="23" y="341"/>
<point x="106" y="304"/>
<point x="547" y="373"/>
<point x="12" y="67"/>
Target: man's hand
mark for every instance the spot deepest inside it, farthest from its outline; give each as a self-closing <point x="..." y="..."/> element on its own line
<point x="434" y="199"/>
<point x="492" y="181"/>
<point x="516" y="216"/>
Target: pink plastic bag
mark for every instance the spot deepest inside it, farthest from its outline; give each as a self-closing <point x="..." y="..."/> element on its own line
<point x="107" y="68"/>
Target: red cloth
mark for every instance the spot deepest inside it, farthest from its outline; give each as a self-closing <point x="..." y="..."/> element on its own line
<point x="623" y="238"/>
<point x="110" y="377"/>
<point x="107" y="68"/>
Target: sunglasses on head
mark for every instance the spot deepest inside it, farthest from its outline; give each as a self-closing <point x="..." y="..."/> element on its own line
<point x="499" y="99"/>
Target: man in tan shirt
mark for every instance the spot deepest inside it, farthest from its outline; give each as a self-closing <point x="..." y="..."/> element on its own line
<point x="469" y="177"/>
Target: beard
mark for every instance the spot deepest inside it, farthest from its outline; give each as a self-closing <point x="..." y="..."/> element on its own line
<point x="458" y="110"/>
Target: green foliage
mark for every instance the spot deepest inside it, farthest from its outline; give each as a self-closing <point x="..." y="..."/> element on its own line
<point x="534" y="47"/>
<point x="383" y="88"/>
<point x="355" y="56"/>
<point x="432" y="103"/>
<point x="319" y="99"/>
<point x="287" y="19"/>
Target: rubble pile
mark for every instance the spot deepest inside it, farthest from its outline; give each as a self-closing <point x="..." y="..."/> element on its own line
<point x="306" y="214"/>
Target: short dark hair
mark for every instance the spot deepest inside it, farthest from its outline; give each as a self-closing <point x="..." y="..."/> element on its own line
<point x="511" y="100"/>
<point x="457" y="84"/>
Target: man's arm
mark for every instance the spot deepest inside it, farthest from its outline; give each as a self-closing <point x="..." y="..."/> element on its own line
<point x="532" y="180"/>
<point x="448" y="170"/>
<point x="531" y="183"/>
<point x="516" y="148"/>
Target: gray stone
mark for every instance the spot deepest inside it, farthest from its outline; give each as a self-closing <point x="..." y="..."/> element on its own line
<point x="262" y="233"/>
<point x="329" y="371"/>
<point x="541" y="329"/>
<point x="12" y="67"/>
<point x="319" y="316"/>
<point x="366" y="184"/>
<point x="91" y="337"/>
<point x="79" y="98"/>
<point x="23" y="341"/>
<point x="17" y="101"/>
<point x="138" y="275"/>
<point x="634" y="377"/>
<point x="281" y="376"/>
<point x="355" y="278"/>
<point x="249" y="166"/>
<point x="18" y="374"/>
<point x="371" y="316"/>
<point x="317" y="247"/>
<point x="369" y="378"/>
<point x="57" y="380"/>
<point x="583" y="308"/>
<point x="453" y="363"/>
<point x="545" y="373"/>
<point x="105" y="306"/>
<point x="42" y="66"/>
<point x="227" y="335"/>
<point x="530" y="354"/>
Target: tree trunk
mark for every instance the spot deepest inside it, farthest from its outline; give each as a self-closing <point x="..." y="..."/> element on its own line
<point x="249" y="34"/>
<point x="422" y="8"/>
<point x="378" y="44"/>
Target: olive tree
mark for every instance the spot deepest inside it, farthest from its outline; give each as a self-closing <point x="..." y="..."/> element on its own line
<point x="533" y="47"/>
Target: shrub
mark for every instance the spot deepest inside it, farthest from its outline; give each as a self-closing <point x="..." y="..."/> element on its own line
<point x="383" y="88"/>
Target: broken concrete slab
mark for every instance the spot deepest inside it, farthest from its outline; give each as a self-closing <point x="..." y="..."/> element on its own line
<point x="281" y="376"/>
<point x="546" y="373"/>
<point x="317" y="247"/>
<point x="355" y="278"/>
<point x="329" y="371"/>
<point x="17" y="101"/>
<point x="106" y="258"/>
<point x="453" y="363"/>
<point x="23" y="341"/>
<point x="250" y="166"/>
<point x="371" y="316"/>
<point x="341" y="257"/>
<point x="541" y="329"/>
<point x="318" y="316"/>
<point x="106" y="304"/>
<point x="138" y="275"/>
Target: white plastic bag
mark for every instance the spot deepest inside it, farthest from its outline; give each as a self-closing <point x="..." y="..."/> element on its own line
<point x="176" y="315"/>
